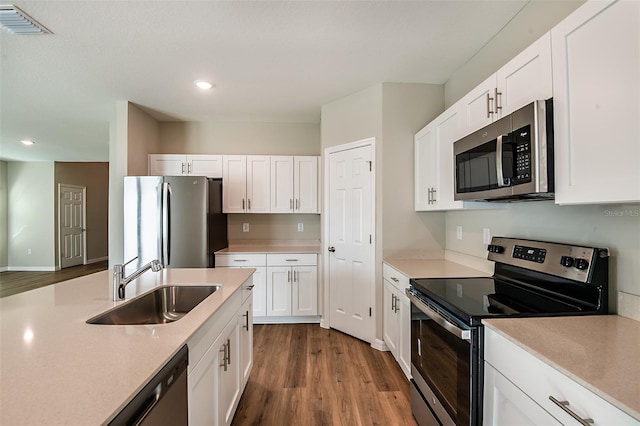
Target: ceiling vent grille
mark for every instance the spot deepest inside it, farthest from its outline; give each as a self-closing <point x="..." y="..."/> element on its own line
<point x="16" y="21"/>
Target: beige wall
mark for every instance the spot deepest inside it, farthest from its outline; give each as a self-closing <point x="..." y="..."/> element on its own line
<point x="31" y="216"/>
<point x="615" y="227"/>
<point x="534" y="20"/>
<point x="273" y="227"/>
<point x="239" y="138"/>
<point x="95" y="178"/>
<point x="142" y="139"/>
<point x="4" y="224"/>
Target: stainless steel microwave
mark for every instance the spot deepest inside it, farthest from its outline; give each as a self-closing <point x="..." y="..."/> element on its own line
<point x="510" y="159"/>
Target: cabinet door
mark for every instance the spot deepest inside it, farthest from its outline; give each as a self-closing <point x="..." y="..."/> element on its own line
<point x="258" y="184"/>
<point x="390" y="318"/>
<point x="404" y="326"/>
<point x="305" y="184"/>
<point x="229" y="373"/>
<point x="447" y="132"/>
<point x="279" y="291"/>
<point x="525" y="78"/>
<point x="246" y="340"/>
<point x="260" y="291"/>
<point x="167" y="165"/>
<point x="234" y="186"/>
<point x="425" y="168"/>
<point x="596" y="104"/>
<point x="282" y="184"/>
<point x="304" y="295"/>
<point x="478" y="106"/>
<point x="203" y="387"/>
<point x="505" y="404"/>
<point x="205" y="165"/>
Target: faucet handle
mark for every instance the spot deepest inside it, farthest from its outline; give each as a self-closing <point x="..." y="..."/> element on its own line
<point x="156" y="265"/>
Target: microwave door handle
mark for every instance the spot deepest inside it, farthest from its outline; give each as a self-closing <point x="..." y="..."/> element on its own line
<point x="499" y="173"/>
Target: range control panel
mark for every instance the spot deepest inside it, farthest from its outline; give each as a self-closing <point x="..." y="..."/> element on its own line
<point x="563" y="260"/>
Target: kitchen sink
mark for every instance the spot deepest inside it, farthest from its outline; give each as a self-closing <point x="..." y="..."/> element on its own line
<point x="161" y="306"/>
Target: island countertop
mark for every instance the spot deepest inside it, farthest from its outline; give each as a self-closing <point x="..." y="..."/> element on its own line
<point x="57" y="369"/>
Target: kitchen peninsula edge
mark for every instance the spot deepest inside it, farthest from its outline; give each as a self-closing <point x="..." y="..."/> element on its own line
<point x="56" y="367"/>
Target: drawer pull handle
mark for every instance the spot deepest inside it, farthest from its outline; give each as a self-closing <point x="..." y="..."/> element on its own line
<point x="291" y="260"/>
<point x="565" y="407"/>
<point x="250" y="287"/>
<point x="239" y="260"/>
<point x="395" y="280"/>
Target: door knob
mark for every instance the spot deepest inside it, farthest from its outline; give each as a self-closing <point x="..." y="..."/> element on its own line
<point x="332" y="249"/>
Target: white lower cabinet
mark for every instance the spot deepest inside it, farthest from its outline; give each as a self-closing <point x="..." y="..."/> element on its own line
<point x="520" y="388"/>
<point x="220" y="361"/>
<point x="292" y="284"/>
<point x="396" y="317"/>
<point x="246" y="339"/>
<point x="258" y="261"/>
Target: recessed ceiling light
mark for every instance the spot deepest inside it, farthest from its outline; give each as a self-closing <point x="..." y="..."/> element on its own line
<point x="27" y="142"/>
<point x="204" y="85"/>
<point x="16" y="21"/>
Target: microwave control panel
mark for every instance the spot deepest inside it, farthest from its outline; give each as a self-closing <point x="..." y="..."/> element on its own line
<point x="522" y="139"/>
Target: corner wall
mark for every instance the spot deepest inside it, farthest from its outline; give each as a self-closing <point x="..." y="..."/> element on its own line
<point x="4" y="224"/>
<point x="143" y="134"/>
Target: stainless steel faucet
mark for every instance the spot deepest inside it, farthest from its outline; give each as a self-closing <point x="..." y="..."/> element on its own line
<point x="120" y="281"/>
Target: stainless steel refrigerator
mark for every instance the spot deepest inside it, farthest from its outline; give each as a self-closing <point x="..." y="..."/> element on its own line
<point x="175" y="219"/>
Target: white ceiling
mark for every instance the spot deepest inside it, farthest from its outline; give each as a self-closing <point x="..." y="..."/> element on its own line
<point x="270" y="61"/>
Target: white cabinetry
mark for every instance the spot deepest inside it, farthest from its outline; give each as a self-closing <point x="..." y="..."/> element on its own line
<point x="292" y="284"/>
<point x="294" y="184"/>
<point x="185" y="165"/>
<point x="522" y="80"/>
<point x="250" y="260"/>
<point x="215" y="380"/>
<point x="523" y="392"/>
<point x="396" y="316"/>
<point x="246" y="187"/>
<point x="434" y="172"/>
<point x="596" y="69"/>
<point x="246" y="338"/>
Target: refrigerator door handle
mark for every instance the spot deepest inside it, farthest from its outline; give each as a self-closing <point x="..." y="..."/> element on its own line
<point x="165" y="234"/>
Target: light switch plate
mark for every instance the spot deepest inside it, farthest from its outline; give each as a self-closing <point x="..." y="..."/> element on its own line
<point x="245" y="227"/>
<point x="300" y="227"/>
<point x="486" y="236"/>
<point x="459" y="232"/>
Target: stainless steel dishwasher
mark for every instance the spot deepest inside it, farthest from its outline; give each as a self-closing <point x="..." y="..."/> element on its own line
<point x="163" y="401"/>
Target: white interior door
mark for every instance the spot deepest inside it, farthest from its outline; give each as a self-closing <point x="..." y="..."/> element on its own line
<point x="71" y="230"/>
<point x="351" y="254"/>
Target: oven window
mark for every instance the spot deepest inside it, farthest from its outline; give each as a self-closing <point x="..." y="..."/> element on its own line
<point x="476" y="168"/>
<point x="443" y="361"/>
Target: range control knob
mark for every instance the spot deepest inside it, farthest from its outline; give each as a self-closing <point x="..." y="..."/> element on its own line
<point x="495" y="248"/>
<point x="566" y="261"/>
<point x="581" y="264"/>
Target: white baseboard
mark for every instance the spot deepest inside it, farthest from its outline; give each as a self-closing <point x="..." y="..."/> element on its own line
<point x="380" y="345"/>
<point x="97" y="259"/>
<point x="324" y="323"/>
<point x="33" y="268"/>
<point x="4" y="268"/>
<point x="287" y="320"/>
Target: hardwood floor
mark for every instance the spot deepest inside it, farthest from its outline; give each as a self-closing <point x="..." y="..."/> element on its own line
<point x="14" y="282"/>
<point x="306" y="375"/>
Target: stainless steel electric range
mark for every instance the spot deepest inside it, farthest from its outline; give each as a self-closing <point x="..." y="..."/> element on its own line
<point x="531" y="278"/>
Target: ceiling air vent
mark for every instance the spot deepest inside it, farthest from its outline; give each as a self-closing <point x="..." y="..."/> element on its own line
<point x="15" y="21"/>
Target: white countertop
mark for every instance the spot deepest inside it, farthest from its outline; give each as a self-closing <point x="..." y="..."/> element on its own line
<point x="57" y="369"/>
<point x="428" y="268"/>
<point x="269" y="248"/>
<point x="598" y="351"/>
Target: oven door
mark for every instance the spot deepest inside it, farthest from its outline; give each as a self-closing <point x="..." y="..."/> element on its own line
<point x="444" y="364"/>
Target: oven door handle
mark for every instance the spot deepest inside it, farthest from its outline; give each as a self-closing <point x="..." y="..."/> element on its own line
<point x="439" y="319"/>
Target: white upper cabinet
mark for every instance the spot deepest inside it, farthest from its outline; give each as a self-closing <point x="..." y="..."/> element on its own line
<point x="185" y="165"/>
<point x="426" y="160"/>
<point x="294" y="184"/>
<point x="245" y="186"/>
<point x="522" y="80"/>
<point x="596" y="75"/>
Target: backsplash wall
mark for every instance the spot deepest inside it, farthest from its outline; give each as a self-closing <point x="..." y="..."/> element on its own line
<point x="616" y="227"/>
<point x="273" y="227"/>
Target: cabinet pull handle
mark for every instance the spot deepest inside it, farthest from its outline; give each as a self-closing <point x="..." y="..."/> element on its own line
<point x="189" y="167"/>
<point x="182" y="167"/>
<point x="228" y="351"/>
<point x="249" y="203"/>
<point x="297" y="204"/>
<point x="288" y="276"/>
<point x="239" y="260"/>
<point x="246" y="319"/>
<point x="498" y="106"/>
<point x="393" y="302"/>
<point x="394" y="279"/>
<point x="223" y="350"/>
<point x="250" y="287"/>
<point x="291" y="260"/>
<point x="489" y="99"/>
<point x="433" y="195"/>
<point x="397" y="308"/>
<point x="243" y="204"/>
<point x="295" y="276"/>
<point x="564" y="405"/>
<point x="429" y="196"/>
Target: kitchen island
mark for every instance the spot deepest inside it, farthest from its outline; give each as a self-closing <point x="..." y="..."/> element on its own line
<point x="57" y="369"/>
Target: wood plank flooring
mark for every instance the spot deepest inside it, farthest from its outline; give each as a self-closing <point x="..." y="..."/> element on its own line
<point x="306" y="375"/>
<point x="14" y="282"/>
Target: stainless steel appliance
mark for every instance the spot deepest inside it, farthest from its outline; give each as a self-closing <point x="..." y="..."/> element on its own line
<point x="162" y="401"/>
<point x="531" y="278"/>
<point x="176" y="219"/>
<point x="510" y="159"/>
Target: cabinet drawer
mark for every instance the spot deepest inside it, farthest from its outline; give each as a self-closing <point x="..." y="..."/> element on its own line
<point x="397" y="279"/>
<point x="540" y="381"/>
<point x="251" y="259"/>
<point x="292" y="259"/>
